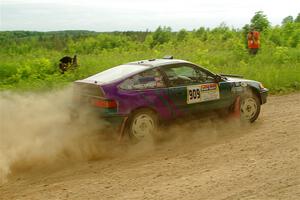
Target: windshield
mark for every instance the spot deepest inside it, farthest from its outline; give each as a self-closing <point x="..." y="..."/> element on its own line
<point x="116" y="73"/>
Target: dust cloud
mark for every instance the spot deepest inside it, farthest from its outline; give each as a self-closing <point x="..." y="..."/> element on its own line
<point x="189" y="134"/>
<point x="36" y="131"/>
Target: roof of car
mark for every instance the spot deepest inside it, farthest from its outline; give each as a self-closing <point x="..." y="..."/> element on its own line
<point x="157" y="62"/>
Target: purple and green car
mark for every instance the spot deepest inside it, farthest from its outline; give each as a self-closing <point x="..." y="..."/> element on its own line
<point x="138" y="96"/>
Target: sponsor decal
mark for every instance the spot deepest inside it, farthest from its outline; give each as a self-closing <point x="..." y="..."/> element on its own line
<point x="203" y="92"/>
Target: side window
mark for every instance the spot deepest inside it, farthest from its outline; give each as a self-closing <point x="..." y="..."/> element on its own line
<point x="181" y="75"/>
<point x="186" y="75"/>
<point x="149" y="79"/>
<point x="204" y="77"/>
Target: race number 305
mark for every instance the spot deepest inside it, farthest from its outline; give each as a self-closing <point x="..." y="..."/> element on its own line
<point x="193" y="94"/>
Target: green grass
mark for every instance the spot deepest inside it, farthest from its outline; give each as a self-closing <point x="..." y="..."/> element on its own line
<point x="277" y="67"/>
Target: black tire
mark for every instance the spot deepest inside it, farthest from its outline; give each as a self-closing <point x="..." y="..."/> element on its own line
<point x="141" y="124"/>
<point x="249" y="107"/>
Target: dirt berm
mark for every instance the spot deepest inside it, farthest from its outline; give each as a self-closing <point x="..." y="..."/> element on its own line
<point x="205" y="159"/>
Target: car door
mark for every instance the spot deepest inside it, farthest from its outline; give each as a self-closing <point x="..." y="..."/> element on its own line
<point x="193" y="89"/>
<point x="214" y="94"/>
<point x="146" y="89"/>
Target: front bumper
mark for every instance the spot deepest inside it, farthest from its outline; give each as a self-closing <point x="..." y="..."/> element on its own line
<point x="263" y="95"/>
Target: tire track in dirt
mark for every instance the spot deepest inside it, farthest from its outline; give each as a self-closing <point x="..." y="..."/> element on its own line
<point x="224" y="161"/>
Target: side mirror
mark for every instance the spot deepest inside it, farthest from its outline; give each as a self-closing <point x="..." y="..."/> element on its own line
<point x="218" y="78"/>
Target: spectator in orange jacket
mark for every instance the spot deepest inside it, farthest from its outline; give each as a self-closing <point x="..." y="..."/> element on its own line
<point x="253" y="41"/>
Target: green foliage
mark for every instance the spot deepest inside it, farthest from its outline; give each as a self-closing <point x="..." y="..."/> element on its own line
<point x="260" y="21"/>
<point x="182" y="35"/>
<point x="288" y="19"/>
<point x="161" y="36"/>
<point x="201" y="33"/>
<point x="29" y="60"/>
<point x="297" y="20"/>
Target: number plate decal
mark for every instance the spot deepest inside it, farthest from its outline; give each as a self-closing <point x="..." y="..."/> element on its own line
<point x="203" y="92"/>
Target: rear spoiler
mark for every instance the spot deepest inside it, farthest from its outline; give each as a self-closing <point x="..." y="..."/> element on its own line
<point x="232" y="75"/>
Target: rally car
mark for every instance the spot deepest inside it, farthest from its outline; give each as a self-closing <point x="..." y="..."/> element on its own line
<point x="137" y="96"/>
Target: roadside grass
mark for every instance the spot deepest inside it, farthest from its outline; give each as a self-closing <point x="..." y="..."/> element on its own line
<point x="278" y="68"/>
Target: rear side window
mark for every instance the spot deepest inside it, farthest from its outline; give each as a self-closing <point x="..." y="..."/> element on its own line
<point x="149" y="79"/>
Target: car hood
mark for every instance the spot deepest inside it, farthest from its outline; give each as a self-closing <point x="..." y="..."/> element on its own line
<point x="252" y="83"/>
<point x="238" y="79"/>
<point x="235" y="79"/>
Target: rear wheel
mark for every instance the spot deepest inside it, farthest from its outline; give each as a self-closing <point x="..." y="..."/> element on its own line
<point x="249" y="107"/>
<point x="142" y="124"/>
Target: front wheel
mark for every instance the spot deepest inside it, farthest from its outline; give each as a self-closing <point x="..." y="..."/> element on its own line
<point x="249" y="108"/>
<point x="142" y="124"/>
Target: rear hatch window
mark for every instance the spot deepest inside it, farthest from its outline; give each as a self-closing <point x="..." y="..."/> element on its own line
<point x="81" y="90"/>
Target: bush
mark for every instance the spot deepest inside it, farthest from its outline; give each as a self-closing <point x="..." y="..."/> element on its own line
<point x="30" y="60"/>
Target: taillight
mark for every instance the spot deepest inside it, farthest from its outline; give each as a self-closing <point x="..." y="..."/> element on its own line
<point x="103" y="103"/>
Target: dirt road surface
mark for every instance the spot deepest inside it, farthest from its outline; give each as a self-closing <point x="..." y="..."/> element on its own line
<point x="221" y="161"/>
